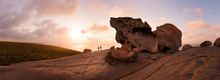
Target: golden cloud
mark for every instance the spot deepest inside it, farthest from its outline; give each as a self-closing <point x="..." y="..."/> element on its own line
<point x="199" y="31"/>
<point x="196" y="24"/>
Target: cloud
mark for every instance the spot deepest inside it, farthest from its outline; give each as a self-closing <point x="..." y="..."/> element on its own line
<point x="165" y="19"/>
<point x="95" y="28"/>
<point x="48" y="28"/>
<point x="196" y="24"/>
<point x="117" y="11"/>
<point x="100" y="31"/>
<point x="215" y="28"/>
<point x="32" y="21"/>
<point x="51" y="7"/>
<point x="199" y="31"/>
<point x="99" y="35"/>
<point x="194" y="10"/>
<point x="98" y="7"/>
<point x="109" y="10"/>
<point x="199" y="37"/>
<point x="19" y="21"/>
<point x="2" y="1"/>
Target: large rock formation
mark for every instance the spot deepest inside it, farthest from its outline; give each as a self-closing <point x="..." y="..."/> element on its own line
<point x="169" y="37"/>
<point x="135" y="31"/>
<point x="139" y="34"/>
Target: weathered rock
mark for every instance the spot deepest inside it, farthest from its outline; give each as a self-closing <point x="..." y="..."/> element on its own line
<point x="169" y="37"/>
<point x="194" y="64"/>
<point x="124" y="26"/>
<point x="135" y="31"/>
<point x="78" y="67"/>
<point x="87" y="50"/>
<point x="217" y="42"/>
<point x="206" y="44"/>
<point x="123" y="52"/>
<point x="186" y="46"/>
<point x="144" y="42"/>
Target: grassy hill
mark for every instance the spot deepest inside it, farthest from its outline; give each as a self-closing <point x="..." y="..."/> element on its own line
<point x="14" y="52"/>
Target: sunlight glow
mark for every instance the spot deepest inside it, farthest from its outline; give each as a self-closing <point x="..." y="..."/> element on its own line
<point x="74" y="27"/>
<point x="75" y="33"/>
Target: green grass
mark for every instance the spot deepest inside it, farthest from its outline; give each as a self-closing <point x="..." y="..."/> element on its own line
<point x="14" y="52"/>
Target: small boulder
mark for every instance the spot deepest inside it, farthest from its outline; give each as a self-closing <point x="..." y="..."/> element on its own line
<point x="206" y="44"/>
<point x="186" y="46"/>
<point x="87" y="50"/>
<point x="217" y="42"/>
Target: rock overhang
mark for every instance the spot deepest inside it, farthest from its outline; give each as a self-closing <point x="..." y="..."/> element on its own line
<point x="134" y="30"/>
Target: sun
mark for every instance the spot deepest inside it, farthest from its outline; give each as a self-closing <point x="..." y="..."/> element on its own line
<point x="75" y="28"/>
<point x="76" y="34"/>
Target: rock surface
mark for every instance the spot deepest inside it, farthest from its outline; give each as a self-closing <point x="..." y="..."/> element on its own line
<point x="217" y="42"/>
<point x="124" y="26"/>
<point x="169" y="37"/>
<point x="206" y="44"/>
<point x="166" y="37"/>
<point x="135" y="31"/>
<point x="193" y="64"/>
<point x="186" y="46"/>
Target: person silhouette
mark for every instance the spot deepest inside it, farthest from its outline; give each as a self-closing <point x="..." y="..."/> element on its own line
<point x="100" y="47"/>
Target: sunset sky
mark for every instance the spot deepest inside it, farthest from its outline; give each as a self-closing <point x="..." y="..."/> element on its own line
<point x="79" y="24"/>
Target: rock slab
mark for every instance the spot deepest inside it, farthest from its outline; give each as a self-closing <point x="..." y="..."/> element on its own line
<point x="193" y="64"/>
<point x="196" y="63"/>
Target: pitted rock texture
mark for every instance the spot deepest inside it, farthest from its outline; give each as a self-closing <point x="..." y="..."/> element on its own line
<point x="136" y="32"/>
<point x="124" y="26"/>
<point x="166" y="37"/>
